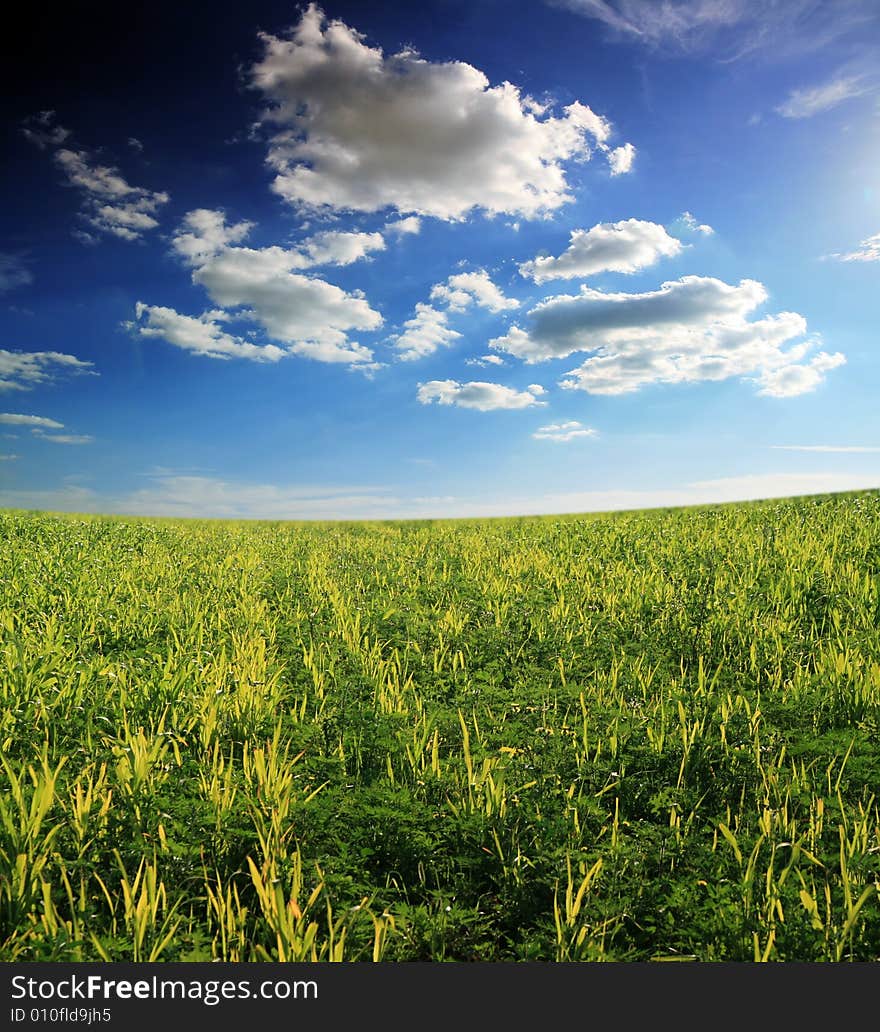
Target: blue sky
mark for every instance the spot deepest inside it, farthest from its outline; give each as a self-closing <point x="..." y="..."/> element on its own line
<point x="448" y="259"/>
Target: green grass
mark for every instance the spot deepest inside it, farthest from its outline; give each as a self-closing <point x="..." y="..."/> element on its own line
<point x="637" y="736"/>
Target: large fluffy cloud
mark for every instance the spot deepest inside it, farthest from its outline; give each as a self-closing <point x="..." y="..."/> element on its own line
<point x="691" y="329"/>
<point x="626" y="246"/>
<point x="304" y="314"/>
<point x="309" y="316"/>
<point x="353" y="129"/>
<point x="23" y="370"/>
<point x="479" y="395"/>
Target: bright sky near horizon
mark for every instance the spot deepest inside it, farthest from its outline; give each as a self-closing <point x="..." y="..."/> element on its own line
<point x="456" y="258"/>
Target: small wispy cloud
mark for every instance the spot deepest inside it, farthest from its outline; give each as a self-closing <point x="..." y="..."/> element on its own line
<point x="805" y="103"/>
<point x="43" y="428"/>
<point x="867" y="251"/>
<point x="833" y="448"/>
<point x="42" y="130"/>
<point x="64" y="438"/>
<point x="730" y="29"/>
<point x="21" y="419"/>
<point x="429" y="327"/>
<point x="13" y="272"/>
<point x="687" y="223"/>
<point x="24" y="370"/>
<point x="110" y="205"/>
<point x="562" y="432"/>
<point x="485" y="360"/>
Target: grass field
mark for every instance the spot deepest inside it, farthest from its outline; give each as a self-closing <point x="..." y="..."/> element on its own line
<point x="623" y="737"/>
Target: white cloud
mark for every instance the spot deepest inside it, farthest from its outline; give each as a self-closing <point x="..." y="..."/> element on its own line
<point x="429" y="328"/>
<point x="8" y="458"/>
<point x="563" y="432"/>
<point x="97" y="180"/>
<point x="867" y="251"/>
<point x="621" y="159"/>
<point x="808" y="102"/>
<point x="135" y="144"/>
<point x="462" y="288"/>
<point x="485" y="360"/>
<point x="685" y="23"/>
<point x="306" y="315"/>
<point x="484" y="397"/>
<point x="356" y="130"/>
<point x="339" y="248"/>
<point x="594" y="320"/>
<point x="17" y="419"/>
<point x="830" y="448"/>
<point x="111" y="205"/>
<point x="202" y="335"/>
<point x="730" y="28"/>
<point x="64" y="438"/>
<point x="39" y="425"/>
<point x="13" y="272"/>
<point x="409" y="226"/>
<point x="204" y="233"/>
<point x="691" y="329"/>
<point x="787" y="381"/>
<point x="686" y="223"/>
<point x="627" y="246"/>
<point x="309" y="316"/>
<point x="20" y="370"/>
<point x="422" y="335"/>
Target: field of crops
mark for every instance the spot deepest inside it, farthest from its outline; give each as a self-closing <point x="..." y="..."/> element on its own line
<point x="626" y="737"/>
